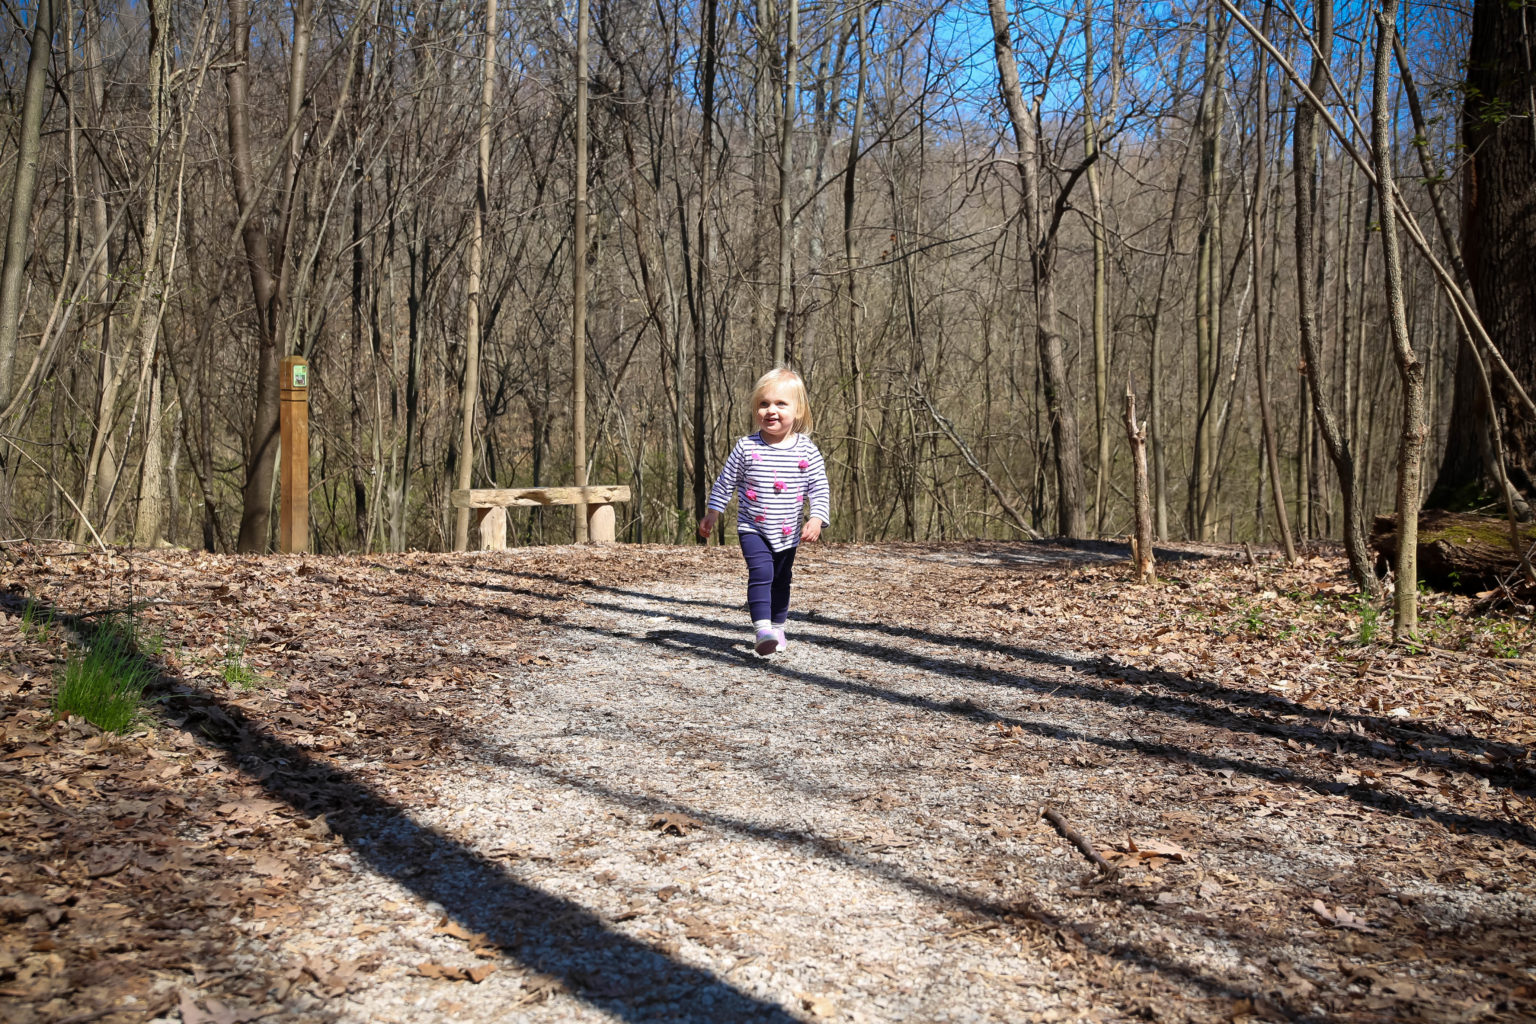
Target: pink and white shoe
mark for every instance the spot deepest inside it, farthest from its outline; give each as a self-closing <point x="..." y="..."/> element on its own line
<point x="768" y="641"/>
<point x="783" y="640"/>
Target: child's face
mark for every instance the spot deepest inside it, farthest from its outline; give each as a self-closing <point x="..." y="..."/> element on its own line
<point x="776" y="411"/>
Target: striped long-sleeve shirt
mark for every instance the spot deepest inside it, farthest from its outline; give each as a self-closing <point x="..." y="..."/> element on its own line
<point x="774" y="485"/>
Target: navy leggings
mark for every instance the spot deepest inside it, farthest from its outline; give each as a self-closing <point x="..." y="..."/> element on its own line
<point x="769" y="573"/>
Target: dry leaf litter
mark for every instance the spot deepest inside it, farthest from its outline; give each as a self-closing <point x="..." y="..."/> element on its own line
<point x="556" y="785"/>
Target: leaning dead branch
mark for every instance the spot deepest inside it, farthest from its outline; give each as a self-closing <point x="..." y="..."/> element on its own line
<point x="970" y="459"/>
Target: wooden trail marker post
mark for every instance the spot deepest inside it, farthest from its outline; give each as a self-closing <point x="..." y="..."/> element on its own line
<point x="293" y="468"/>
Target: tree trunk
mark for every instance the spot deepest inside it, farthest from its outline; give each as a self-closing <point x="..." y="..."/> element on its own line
<point x="99" y="464"/>
<point x="1458" y="551"/>
<point x="791" y="100"/>
<point x="1060" y="405"/>
<point x="23" y="193"/>
<point x="1100" y="280"/>
<point x="1207" y="280"/>
<point x="856" y="468"/>
<point x="355" y="362"/>
<point x="579" y="275"/>
<point x="1499" y="248"/>
<point x="1260" y="327"/>
<point x="262" y="439"/>
<point x="470" y="397"/>
<point x="1410" y="450"/>
<point x="148" y="517"/>
<point x="1146" y="570"/>
<point x="1338" y="444"/>
<point x="702" y="258"/>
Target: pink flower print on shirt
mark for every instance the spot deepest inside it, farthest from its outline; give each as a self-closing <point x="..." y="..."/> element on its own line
<point x="788" y="530"/>
<point x="757" y="457"/>
<point x="759" y="518"/>
<point x="751" y="494"/>
<point x="804" y="464"/>
<point x="778" y="485"/>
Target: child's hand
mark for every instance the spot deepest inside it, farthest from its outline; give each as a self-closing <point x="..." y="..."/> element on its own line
<point x="707" y="524"/>
<point x="811" y="531"/>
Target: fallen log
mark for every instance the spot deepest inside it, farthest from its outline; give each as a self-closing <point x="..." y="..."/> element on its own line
<point x="1459" y="551"/>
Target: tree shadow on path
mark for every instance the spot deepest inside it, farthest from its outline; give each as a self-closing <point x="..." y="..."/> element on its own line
<point x="1026" y="913"/>
<point x="562" y="940"/>
<point x="709" y="645"/>
<point x="1206" y="702"/>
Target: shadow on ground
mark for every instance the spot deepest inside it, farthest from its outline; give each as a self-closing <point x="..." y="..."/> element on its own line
<point x="568" y="945"/>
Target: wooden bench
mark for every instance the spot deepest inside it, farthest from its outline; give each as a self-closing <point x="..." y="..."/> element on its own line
<point x="491" y="504"/>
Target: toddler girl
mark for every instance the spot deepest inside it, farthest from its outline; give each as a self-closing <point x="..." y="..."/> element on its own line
<point x="777" y="472"/>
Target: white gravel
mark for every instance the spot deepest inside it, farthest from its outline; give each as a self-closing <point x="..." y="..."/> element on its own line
<point x="858" y="843"/>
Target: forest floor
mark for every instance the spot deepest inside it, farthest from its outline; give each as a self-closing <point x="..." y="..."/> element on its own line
<point x="555" y="784"/>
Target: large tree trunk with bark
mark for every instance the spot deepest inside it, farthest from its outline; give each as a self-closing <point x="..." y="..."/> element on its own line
<point x="1498" y="227"/>
<point x="261" y="451"/>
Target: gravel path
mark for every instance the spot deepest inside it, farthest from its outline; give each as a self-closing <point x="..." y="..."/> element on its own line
<point x="655" y="824"/>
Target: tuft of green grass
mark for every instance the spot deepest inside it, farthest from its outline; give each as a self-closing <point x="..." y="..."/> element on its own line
<point x="235" y="671"/>
<point x="104" y="683"/>
<point x="36" y="621"/>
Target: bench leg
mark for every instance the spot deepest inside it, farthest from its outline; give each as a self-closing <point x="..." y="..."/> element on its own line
<point x="493" y="528"/>
<point x="600" y="524"/>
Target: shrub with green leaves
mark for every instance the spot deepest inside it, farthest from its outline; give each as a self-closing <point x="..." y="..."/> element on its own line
<point x="104" y="683"/>
<point x="1370" y="618"/>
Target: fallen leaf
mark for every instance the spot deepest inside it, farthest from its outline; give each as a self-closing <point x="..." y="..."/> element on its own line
<point x="1340" y="917"/>
<point x="21" y="907"/>
<point x="249" y="812"/>
<point x="107" y="860"/>
<point x="675" y="824"/>
<point x="458" y="931"/>
<point x="445" y="972"/>
<point x="191" y="1013"/>
<point x="1150" y="854"/>
<point x="270" y="866"/>
<point x="819" y="1006"/>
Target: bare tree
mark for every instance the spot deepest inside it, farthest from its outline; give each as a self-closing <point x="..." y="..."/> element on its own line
<point x="579" y="272"/>
<point x="1041" y="238"/>
<point x="1257" y="247"/>
<point x="1411" y="442"/>
<point x="1340" y="450"/>
<point x="470" y="397"/>
<point x="23" y="193"/>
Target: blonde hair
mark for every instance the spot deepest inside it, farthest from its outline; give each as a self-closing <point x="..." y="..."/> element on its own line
<point x="784" y="375"/>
